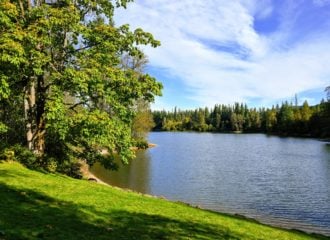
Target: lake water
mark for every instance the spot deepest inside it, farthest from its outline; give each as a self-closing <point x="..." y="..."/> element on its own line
<point x="279" y="181"/>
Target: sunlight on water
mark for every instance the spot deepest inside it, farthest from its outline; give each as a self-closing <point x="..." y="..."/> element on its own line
<point x="281" y="181"/>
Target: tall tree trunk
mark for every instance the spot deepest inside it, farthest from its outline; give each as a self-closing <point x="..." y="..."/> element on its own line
<point x="34" y="108"/>
<point x="39" y="137"/>
<point x="34" y="105"/>
<point x="29" y="110"/>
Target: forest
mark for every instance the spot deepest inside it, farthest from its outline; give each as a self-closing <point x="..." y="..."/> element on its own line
<point x="287" y="119"/>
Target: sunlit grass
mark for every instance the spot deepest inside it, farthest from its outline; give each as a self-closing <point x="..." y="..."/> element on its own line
<point x="35" y="205"/>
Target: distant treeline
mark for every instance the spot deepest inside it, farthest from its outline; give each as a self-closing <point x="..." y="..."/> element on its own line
<point x="287" y="119"/>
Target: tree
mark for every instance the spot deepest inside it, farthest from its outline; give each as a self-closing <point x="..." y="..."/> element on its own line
<point x="306" y="112"/>
<point x="199" y="122"/>
<point x="286" y="118"/>
<point x="270" y="120"/>
<point x="215" y="118"/>
<point x="325" y="115"/>
<point x="253" y="121"/>
<point x="64" y="60"/>
<point x="237" y="122"/>
<point x="143" y="121"/>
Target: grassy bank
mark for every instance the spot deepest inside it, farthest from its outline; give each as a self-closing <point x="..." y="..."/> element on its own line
<point x="49" y="206"/>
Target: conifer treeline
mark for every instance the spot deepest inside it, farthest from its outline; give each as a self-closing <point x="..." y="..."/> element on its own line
<point x="287" y="119"/>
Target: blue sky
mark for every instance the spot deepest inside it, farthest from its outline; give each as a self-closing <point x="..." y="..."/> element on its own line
<point x="260" y="52"/>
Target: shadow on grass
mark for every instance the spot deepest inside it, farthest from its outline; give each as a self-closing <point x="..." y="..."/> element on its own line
<point x="8" y="173"/>
<point x="26" y="214"/>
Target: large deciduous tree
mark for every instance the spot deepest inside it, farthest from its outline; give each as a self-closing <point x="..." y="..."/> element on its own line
<point x="60" y="62"/>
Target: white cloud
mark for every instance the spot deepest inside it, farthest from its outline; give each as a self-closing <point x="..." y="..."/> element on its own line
<point x="321" y="3"/>
<point x="260" y="9"/>
<point x="267" y="72"/>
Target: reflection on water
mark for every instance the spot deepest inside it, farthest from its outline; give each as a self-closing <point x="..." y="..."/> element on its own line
<point x="282" y="181"/>
<point x="133" y="176"/>
<point x="327" y="147"/>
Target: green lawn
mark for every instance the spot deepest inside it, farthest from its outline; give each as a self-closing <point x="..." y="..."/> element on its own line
<point x="35" y="205"/>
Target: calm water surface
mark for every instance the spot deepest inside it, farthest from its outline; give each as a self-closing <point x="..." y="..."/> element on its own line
<point x="280" y="181"/>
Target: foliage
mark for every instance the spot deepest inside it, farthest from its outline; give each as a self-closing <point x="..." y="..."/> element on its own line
<point x="143" y="121"/>
<point x="64" y="92"/>
<point x="51" y="165"/>
<point x="141" y="144"/>
<point x="3" y="128"/>
<point x="50" y="206"/>
<point x="7" y="155"/>
<point x="71" y="168"/>
<point x="285" y="119"/>
<point x="20" y="154"/>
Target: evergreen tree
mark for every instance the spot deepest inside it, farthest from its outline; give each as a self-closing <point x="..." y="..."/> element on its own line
<point x="271" y="120"/>
<point x="286" y="117"/>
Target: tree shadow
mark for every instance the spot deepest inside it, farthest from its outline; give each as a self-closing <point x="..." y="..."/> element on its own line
<point x="144" y="226"/>
<point x="7" y="173"/>
<point x="28" y="214"/>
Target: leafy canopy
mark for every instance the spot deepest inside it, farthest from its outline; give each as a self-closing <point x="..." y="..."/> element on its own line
<point x="62" y="58"/>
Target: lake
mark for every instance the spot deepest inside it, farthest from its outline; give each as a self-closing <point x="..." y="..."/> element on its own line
<point x="276" y="180"/>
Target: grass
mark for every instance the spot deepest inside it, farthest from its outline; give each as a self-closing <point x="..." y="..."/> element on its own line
<point x="35" y="205"/>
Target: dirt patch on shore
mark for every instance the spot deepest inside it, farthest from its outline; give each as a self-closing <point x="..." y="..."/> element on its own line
<point x="88" y="175"/>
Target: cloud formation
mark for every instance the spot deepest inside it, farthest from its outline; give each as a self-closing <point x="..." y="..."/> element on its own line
<point x="225" y="51"/>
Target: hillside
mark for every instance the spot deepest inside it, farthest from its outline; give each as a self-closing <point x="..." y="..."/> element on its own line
<point x="35" y="205"/>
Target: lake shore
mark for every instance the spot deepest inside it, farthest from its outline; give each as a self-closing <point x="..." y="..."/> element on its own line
<point x="246" y="174"/>
<point x="87" y="174"/>
<point x="66" y="208"/>
<point x="267" y="221"/>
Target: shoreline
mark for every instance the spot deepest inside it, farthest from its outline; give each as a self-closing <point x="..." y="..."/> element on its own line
<point x="287" y="224"/>
<point x="88" y="175"/>
<point x="307" y="136"/>
<point x="139" y="213"/>
<point x="266" y="221"/>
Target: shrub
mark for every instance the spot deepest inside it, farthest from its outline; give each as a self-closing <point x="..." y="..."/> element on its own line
<point x="7" y="155"/>
<point x="20" y="154"/>
<point x="71" y="168"/>
<point x="141" y="144"/>
<point x="51" y="165"/>
<point x="25" y="156"/>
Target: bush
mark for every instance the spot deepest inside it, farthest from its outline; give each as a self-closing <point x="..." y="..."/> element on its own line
<point x="141" y="144"/>
<point x="20" y="154"/>
<point x="70" y="168"/>
<point x="7" y="155"/>
<point x="25" y="156"/>
<point x="51" y="165"/>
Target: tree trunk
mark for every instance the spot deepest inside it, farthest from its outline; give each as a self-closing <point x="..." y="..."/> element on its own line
<point x="34" y="103"/>
<point x="39" y="137"/>
<point x="29" y="110"/>
<point x="34" y="108"/>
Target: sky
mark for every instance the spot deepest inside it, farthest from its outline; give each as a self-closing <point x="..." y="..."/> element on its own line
<point x="260" y="52"/>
